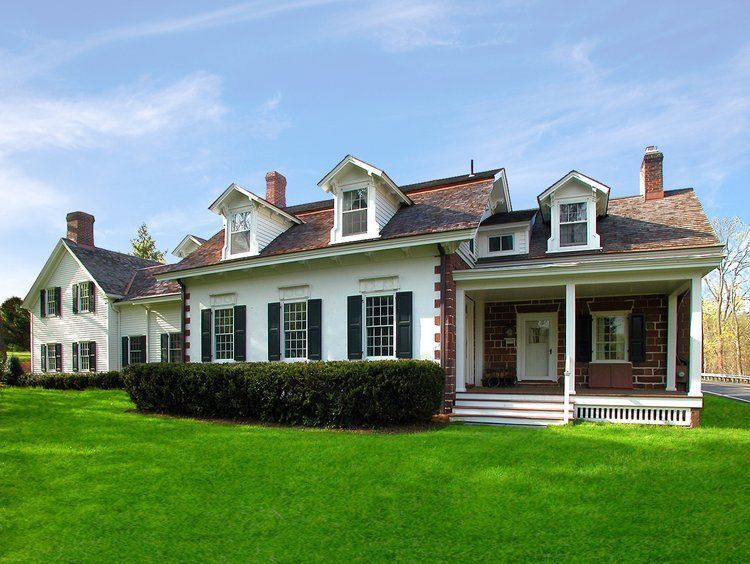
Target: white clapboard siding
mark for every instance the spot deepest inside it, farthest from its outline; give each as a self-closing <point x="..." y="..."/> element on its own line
<point x="163" y="318"/>
<point x="268" y="228"/>
<point x="385" y="206"/>
<point x="69" y="327"/>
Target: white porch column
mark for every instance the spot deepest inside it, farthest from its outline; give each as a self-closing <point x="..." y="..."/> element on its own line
<point x="672" y="343"/>
<point x="460" y="339"/>
<point x="696" y="336"/>
<point x="479" y="306"/>
<point x="570" y="336"/>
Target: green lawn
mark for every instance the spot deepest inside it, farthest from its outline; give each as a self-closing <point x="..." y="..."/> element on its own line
<point x="83" y="478"/>
<point x="20" y="355"/>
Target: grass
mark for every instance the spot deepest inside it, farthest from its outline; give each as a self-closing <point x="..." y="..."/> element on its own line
<point x="20" y="355"/>
<point x="83" y="478"/>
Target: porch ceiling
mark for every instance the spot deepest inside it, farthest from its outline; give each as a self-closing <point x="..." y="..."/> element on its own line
<point x="585" y="290"/>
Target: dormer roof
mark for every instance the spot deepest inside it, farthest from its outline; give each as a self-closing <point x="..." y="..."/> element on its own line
<point x="326" y="183"/>
<point x="600" y="190"/>
<point x="219" y="205"/>
<point x="188" y="244"/>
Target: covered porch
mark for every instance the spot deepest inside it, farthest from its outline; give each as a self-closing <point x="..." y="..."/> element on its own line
<point x="620" y="346"/>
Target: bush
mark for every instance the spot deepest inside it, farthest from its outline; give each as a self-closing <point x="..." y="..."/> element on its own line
<point x="14" y="372"/>
<point x="341" y="394"/>
<point x="73" y="381"/>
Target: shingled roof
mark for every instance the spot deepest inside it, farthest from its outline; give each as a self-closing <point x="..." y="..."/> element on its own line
<point x="633" y="224"/>
<point x="144" y="284"/>
<point x="436" y="208"/>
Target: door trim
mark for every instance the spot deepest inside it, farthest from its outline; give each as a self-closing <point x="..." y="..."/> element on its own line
<point x="521" y="319"/>
<point x="469" y="348"/>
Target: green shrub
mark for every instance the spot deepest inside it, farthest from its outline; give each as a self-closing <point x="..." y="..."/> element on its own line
<point x="341" y="394"/>
<point x="73" y="381"/>
<point x="14" y="371"/>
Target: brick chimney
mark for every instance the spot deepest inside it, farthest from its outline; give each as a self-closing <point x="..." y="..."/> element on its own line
<point x="652" y="180"/>
<point x="81" y="228"/>
<point x="276" y="189"/>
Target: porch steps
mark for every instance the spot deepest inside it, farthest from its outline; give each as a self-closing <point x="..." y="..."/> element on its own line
<point x="527" y="410"/>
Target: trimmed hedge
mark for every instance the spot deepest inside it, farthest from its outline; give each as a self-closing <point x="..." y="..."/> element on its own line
<point x="340" y="394"/>
<point x="73" y="381"/>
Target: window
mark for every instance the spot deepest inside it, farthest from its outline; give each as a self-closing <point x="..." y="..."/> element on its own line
<point x="137" y="353"/>
<point x="295" y="329"/>
<point x="84" y="297"/>
<point x="84" y="351"/>
<point x="501" y="243"/>
<point x="52" y="301"/>
<point x="52" y="358"/>
<point x="175" y="347"/>
<point x="379" y="319"/>
<point x="610" y="332"/>
<point x="240" y="232"/>
<point x="224" y="334"/>
<point x="354" y="212"/>
<point x="573" y="224"/>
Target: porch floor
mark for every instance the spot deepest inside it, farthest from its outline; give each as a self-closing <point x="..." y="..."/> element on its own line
<point x="580" y="390"/>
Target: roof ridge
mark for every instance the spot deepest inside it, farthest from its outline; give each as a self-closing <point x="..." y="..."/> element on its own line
<point x="671" y="191"/>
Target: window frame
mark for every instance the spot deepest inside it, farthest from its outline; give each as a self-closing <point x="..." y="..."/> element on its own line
<point x="284" y="355"/>
<point x="595" y="317"/>
<point x="51" y="298"/>
<point x="365" y="210"/>
<point x="51" y="347"/>
<point x="214" y="335"/>
<point x="81" y="356"/>
<point x="250" y="211"/>
<point x="584" y="221"/>
<point x="171" y="350"/>
<point x="366" y="326"/>
<point x="501" y="236"/>
<point x="80" y="287"/>
<point x="144" y="351"/>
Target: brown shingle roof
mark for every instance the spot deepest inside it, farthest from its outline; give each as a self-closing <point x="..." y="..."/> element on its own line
<point x="442" y="209"/>
<point x="675" y="222"/>
<point x="145" y="285"/>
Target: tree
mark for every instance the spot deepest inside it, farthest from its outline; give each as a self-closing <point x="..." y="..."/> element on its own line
<point x="729" y="287"/>
<point x="16" y="325"/>
<point x="144" y="246"/>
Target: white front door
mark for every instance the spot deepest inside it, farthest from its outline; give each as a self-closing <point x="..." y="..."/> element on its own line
<point x="469" y="342"/>
<point x="537" y="346"/>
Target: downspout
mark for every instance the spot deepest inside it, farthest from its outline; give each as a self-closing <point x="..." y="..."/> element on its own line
<point x="182" y="316"/>
<point x="443" y="283"/>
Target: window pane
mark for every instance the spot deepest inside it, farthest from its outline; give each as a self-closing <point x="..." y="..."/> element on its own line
<point x="138" y="349"/>
<point x="572" y="212"/>
<point x="240" y="243"/>
<point x="507" y="242"/>
<point x="355" y="222"/>
<point x="175" y="347"/>
<point x="295" y="330"/>
<point x="241" y="221"/>
<point x="610" y="338"/>
<point x="379" y="317"/>
<point x="355" y="199"/>
<point x="51" y="302"/>
<point x="495" y="244"/>
<point x="84" y="299"/>
<point x="224" y="334"/>
<point x="573" y="234"/>
<point x="83" y="356"/>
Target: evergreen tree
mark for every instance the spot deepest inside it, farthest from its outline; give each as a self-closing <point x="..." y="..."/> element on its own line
<point x="15" y="324"/>
<point x="144" y="246"/>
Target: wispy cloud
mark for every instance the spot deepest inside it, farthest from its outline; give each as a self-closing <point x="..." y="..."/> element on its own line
<point x="269" y="121"/>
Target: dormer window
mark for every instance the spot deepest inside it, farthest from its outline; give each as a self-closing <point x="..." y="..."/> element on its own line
<point x="354" y="212"/>
<point x="501" y="243"/>
<point x="240" y="229"/>
<point x="573" y="224"/>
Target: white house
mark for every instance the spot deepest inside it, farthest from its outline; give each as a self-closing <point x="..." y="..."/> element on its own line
<point x="585" y="307"/>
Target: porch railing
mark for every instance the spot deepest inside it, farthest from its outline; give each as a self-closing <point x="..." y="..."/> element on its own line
<point x="566" y="389"/>
<point x="734" y="378"/>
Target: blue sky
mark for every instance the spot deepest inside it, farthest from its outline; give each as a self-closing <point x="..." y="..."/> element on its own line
<point x="143" y="112"/>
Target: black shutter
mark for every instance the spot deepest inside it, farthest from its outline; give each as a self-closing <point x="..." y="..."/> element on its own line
<point x="58" y="301"/>
<point x="206" y="335"/>
<point x="165" y="347"/>
<point x="143" y="346"/>
<point x="43" y="303"/>
<point x="240" y="334"/>
<point x="584" y="343"/>
<point x="92" y="356"/>
<point x="404" y="331"/>
<point x="125" y="351"/>
<point x="43" y="363"/>
<point x="637" y="337"/>
<point x="274" y="331"/>
<point x="92" y="296"/>
<point x="58" y="357"/>
<point x="354" y="327"/>
<point x="75" y="357"/>
<point x="75" y="298"/>
<point x="314" y="330"/>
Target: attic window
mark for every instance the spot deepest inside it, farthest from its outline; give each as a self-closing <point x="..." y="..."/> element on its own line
<point x="240" y="232"/>
<point x="573" y="224"/>
<point x="354" y="212"/>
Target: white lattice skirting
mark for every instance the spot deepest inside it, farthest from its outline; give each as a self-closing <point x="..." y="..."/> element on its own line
<point x="637" y="415"/>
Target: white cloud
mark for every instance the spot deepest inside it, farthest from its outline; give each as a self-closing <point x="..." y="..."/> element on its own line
<point x="269" y="121"/>
<point x="25" y="198"/>
<point x="32" y="121"/>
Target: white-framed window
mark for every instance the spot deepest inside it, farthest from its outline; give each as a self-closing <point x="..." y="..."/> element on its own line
<point x="51" y="302"/>
<point x="84" y="352"/>
<point x="610" y="336"/>
<point x="84" y="297"/>
<point x="502" y="243"/>
<point x="224" y="333"/>
<point x="51" y="353"/>
<point x="573" y="224"/>
<point x="137" y="349"/>
<point x="295" y="329"/>
<point x="380" y="329"/>
<point x="240" y="232"/>
<point x="354" y="212"/>
<point x="175" y="347"/>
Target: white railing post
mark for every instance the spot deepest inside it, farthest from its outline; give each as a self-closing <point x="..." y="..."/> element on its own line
<point x="566" y="391"/>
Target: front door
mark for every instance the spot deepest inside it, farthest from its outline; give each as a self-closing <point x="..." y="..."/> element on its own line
<point x="537" y="347"/>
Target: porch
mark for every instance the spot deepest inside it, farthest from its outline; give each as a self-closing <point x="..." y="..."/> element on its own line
<point x="621" y="347"/>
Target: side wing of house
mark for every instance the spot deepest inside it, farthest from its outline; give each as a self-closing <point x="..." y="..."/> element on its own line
<point x="148" y="332"/>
